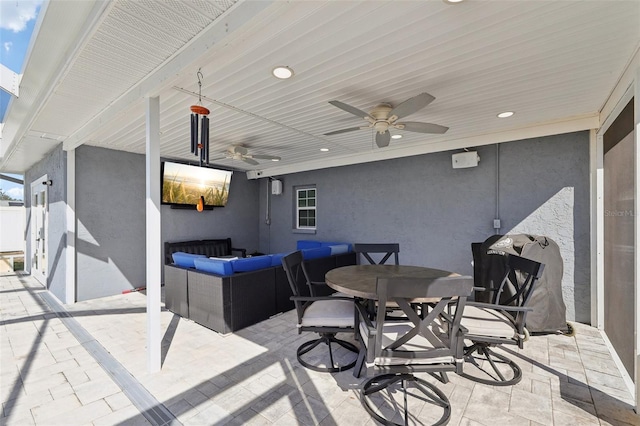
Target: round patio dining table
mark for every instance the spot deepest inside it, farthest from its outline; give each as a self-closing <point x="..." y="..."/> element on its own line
<point x="360" y="280"/>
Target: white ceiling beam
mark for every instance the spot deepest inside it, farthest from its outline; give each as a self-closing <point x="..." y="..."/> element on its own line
<point x="171" y="69"/>
<point x="10" y="81"/>
<point x="554" y="128"/>
<point x="42" y="79"/>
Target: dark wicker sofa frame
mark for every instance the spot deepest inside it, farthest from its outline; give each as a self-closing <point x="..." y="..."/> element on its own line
<point x="231" y="302"/>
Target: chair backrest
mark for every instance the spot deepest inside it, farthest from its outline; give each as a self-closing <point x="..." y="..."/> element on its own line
<point x="298" y="278"/>
<point x="518" y="282"/>
<point x="446" y="293"/>
<point x="366" y="250"/>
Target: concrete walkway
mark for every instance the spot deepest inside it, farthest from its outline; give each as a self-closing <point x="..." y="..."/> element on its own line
<point x="87" y="365"/>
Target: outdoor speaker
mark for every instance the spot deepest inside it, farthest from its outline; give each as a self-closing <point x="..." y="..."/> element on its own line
<point x="465" y="159"/>
<point x="276" y="187"/>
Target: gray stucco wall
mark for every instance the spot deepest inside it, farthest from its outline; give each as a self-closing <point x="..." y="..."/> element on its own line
<point x="54" y="166"/>
<point x="110" y="204"/>
<point x="111" y="220"/>
<point x="435" y="211"/>
<point x="110" y="213"/>
<point x="238" y="220"/>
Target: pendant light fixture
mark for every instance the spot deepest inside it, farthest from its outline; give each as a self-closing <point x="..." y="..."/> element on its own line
<point x="200" y="136"/>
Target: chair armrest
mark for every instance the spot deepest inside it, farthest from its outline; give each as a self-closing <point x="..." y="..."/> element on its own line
<point x="520" y="312"/>
<point x="241" y="250"/>
<point x="318" y="283"/>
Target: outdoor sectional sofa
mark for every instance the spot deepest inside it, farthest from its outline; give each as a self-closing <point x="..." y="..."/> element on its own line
<point x="227" y="295"/>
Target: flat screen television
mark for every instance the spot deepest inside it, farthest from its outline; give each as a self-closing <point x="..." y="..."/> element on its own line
<point x="183" y="185"/>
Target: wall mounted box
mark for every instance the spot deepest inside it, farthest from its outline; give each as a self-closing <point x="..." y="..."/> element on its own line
<point x="276" y="187"/>
<point x="465" y="159"/>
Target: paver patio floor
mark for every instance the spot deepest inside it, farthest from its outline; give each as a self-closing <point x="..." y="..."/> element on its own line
<point x="51" y="375"/>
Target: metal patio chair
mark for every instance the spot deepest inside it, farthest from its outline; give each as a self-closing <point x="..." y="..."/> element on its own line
<point x="501" y="322"/>
<point x="397" y="350"/>
<point x="325" y="315"/>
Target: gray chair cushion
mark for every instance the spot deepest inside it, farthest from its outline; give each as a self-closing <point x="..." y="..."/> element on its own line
<point x="329" y="313"/>
<point x="391" y="332"/>
<point x="487" y="322"/>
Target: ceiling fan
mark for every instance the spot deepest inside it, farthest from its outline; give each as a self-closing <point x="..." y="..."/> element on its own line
<point x="384" y="116"/>
<point x="239" y="152"/>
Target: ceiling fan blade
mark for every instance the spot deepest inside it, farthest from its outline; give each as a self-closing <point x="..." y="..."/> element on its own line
<point x="411" y="105"/>
<point x="382" y="139"/>
<point x="250" y="161"/>
<point x="265" y="157"/>
<point x="337" y="132"/>
<point x="353" y="110"/>
<point x="412" y="126"/>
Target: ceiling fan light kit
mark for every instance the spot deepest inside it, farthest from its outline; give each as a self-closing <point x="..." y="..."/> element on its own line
<point x="384" y="117"/>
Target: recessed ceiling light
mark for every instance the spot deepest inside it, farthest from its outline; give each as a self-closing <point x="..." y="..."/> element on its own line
<point x="396" y="137"/>
<point x="324" y="149"/>
<point x="275" y="159"/>
<point x="505" y="114"/>
<point x="453" y="1"/>
<point x="282" y="72"/>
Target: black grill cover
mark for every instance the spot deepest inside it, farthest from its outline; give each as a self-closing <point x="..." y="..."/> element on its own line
<point x="549" y="310"/>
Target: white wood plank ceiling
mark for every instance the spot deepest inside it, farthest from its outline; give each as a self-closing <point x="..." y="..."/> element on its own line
<point x="549" y="61"/>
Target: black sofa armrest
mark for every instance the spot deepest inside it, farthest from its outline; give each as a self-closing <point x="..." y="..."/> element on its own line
<point x="210" y="248"/>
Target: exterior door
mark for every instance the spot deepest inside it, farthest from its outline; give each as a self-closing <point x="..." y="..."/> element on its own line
<point x="39" y="229"/>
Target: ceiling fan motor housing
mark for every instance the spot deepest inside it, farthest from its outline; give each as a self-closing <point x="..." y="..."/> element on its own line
<point x="381" y="114"/>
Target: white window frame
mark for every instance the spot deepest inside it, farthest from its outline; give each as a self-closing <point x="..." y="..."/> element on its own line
<point x="298" y="209"/>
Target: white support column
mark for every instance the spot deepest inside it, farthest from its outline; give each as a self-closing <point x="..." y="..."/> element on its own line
<point x="154" y="251"/>
<point x="636" y="319"/>
<point x="596" y="155"/>
<point x="70" y="267"/>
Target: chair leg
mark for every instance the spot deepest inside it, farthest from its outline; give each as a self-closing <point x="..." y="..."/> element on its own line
<point x="493" y="374"/>
<point x="326" y="338"/>
<point x="357" y="370"/>
<point x="431" y="394"/>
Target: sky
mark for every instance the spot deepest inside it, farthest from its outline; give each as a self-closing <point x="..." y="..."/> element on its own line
<point x="17" y="19"/>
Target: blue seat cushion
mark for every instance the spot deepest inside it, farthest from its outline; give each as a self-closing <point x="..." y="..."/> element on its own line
<point x="247" y="264"/>
<point x="314" y="253"/>
<point x="215" y="266"/>
<point x="186" y="259"/>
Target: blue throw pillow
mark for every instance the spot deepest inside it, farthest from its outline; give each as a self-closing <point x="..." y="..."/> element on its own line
<point x="314" y="253"/>
<point x="330" y="244"/>
<point x="276" y="259"/>
<point x="339" y="249"/>
<point x="185" y="259"/>
<point x="219" y="267"/>
<point x="307" y="244"/>
<point x="247" y="264"/>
